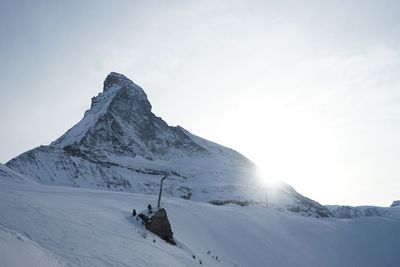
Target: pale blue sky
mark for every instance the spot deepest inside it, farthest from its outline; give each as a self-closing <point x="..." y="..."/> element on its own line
<point x="309" y="90"/>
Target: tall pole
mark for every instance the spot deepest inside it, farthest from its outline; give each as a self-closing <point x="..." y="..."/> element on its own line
<point x="159" y="196"/>
<point x="266" y="197"/>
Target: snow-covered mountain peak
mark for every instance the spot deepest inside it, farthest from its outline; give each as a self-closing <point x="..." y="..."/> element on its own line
<point x="120" y="129"/>
<point x="121" y="144"/>
<point x="121" y="106"/>
<point x="120" y="122"/>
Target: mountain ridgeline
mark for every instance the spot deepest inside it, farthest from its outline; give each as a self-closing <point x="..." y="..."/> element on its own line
<point x="120" y="144"/>
<point x="120" y="122"/>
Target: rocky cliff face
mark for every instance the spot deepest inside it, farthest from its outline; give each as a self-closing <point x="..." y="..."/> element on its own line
<point x="120" y="144"/>
<point x="120" y="122"/>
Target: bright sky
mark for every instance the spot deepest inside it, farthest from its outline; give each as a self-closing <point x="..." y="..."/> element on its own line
<point x="309" y="90"/>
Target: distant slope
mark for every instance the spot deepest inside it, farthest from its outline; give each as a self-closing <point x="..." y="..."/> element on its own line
<point x="11" y="175"/>
<point x="87" y="227"/>
<point x="347" y="212"/>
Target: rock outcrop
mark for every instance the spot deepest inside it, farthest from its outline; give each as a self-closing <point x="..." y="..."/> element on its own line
<point x="160" y="225"/>
<point x="395" y="203"/>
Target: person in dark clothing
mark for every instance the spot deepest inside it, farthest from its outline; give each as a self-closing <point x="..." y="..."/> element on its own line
<point x="144" y="218"/>
<point x="133" y="213"/>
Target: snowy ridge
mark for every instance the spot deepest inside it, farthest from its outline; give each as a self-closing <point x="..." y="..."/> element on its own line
<point x="348" y="212"/>
<point x="98" y="109"/>
<point x="395" y="203"/>
<point x="121" y="145"/>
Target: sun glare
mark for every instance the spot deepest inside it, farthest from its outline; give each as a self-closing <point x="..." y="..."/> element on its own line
<point x="294" y="147"/>
<point x="264" y="178"/>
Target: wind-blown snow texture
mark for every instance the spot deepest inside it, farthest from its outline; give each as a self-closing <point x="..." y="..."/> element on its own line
<point x="65" y="226"/>
<point x="121" y="145"/>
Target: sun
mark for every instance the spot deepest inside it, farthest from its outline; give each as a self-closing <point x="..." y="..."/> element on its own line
<point x="264" y="177"/>
<point x="293" y="146"/>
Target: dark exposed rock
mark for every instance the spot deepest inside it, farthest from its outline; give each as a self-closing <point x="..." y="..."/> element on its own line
<point x="224" y="202"/>
<point x="116" y="79"/>
<point x="395" y="203"/>
<point x="159" y="225"/>
<point x="308" y="207"/>
<point x="186" y="192"/>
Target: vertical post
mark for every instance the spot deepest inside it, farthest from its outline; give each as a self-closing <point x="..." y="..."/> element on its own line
<point x="159" y="196"/>
<point x="266" y="197"/>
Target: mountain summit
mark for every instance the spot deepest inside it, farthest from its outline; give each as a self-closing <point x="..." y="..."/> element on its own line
<point x="120" y="122"/>
<point x="117" y="79"/>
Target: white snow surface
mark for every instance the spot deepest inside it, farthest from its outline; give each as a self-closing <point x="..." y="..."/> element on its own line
<point x="17" y="250"/>
<point x="15" y="177"/>
<point x="63" y="226"/>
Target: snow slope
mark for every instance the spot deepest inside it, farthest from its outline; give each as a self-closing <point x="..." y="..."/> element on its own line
<point x="17" y="250"/>
<point x="65" y="226"/>
<point x="7" y="173"/>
